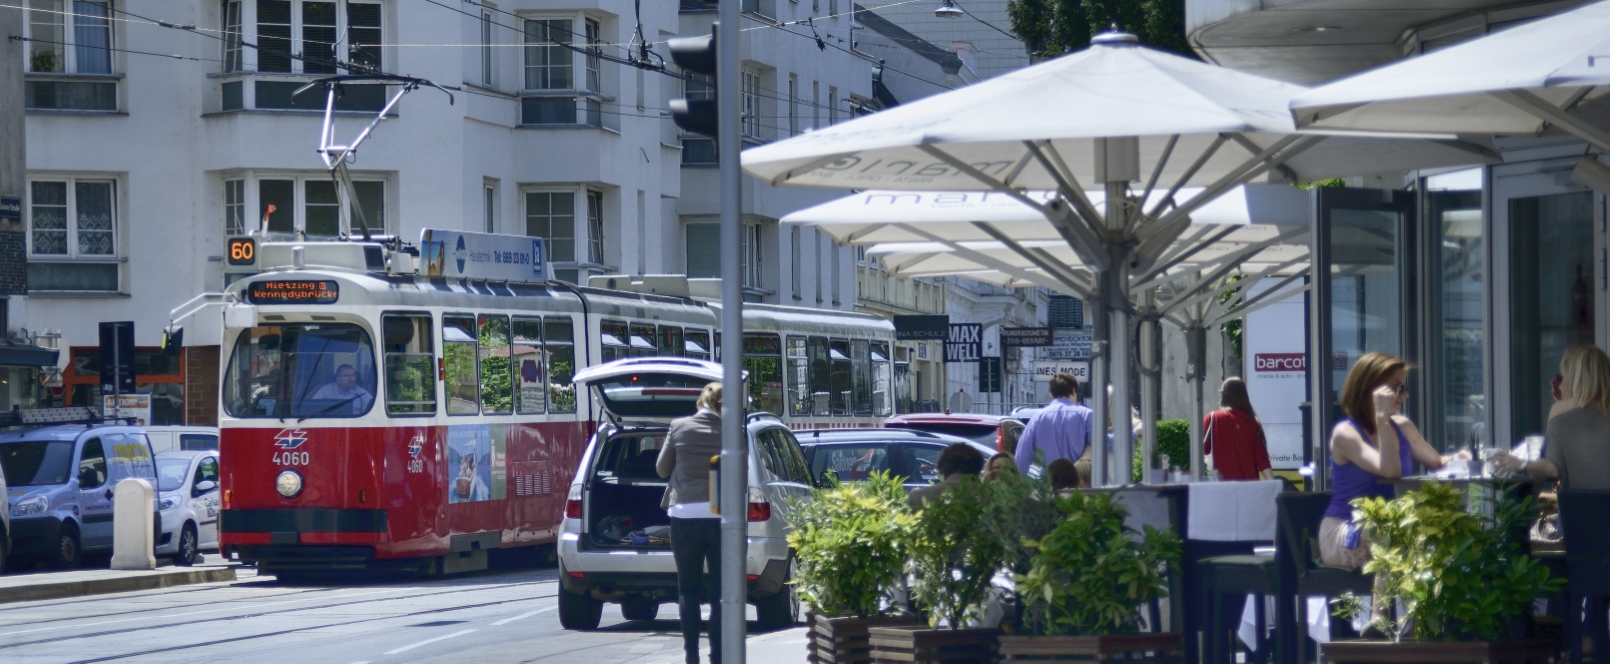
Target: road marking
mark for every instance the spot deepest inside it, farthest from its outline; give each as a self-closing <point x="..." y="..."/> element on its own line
<point x="523" y="616"/>
<point x="427" y="642"/>
<point x="193" y="613"/>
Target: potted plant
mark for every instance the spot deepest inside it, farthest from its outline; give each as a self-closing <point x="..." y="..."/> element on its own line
<point x="1465" y="581"/>
<point x="849" y="552"/>
<point x="954" y="557"/>
<point x="1089" y="576"/>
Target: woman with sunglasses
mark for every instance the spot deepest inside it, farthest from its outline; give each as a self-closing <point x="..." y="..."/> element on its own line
<point x="1373" y="443"/>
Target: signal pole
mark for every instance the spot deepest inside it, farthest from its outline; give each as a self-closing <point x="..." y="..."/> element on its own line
<point x="734" y="466"/>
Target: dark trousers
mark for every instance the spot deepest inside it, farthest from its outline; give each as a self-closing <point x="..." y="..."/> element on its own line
<point x="696" y="545"/>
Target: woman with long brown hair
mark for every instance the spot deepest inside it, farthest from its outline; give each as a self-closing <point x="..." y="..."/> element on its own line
<point x="1375" y="442"/>
<point x="1234" y="436"/>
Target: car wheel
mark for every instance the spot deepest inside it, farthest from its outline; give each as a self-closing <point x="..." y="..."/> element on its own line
<point x="781" y="610"/>
<point x="67" y="554"/>
<point x="579" y="612"/>
<point x="640" y="609"/>
<point x="188" y="552"/>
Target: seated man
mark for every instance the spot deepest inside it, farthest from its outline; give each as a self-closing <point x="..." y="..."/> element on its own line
<point x="955" y="461"/>
<point x="344" y="389"/>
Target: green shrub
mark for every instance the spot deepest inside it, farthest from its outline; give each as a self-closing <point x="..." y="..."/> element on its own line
<point x="1090" y="573"/>
<point x="954" y="555"/>
<point x="1459" y="575"/>
<point x="1173" y="439"/>
<point x="849" y="544"/>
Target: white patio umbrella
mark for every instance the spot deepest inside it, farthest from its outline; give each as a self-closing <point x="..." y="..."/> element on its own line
<point x="1258" y="230"/>
<point x="1516" y="82"/>
<point x="1110" y="114"/>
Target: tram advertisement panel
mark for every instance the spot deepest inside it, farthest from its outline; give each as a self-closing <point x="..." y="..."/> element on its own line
<point x="483" y="255"/>
<point x="469" y="463"/>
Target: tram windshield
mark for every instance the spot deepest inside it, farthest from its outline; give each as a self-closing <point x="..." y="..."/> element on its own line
<point x="301" y="370"/>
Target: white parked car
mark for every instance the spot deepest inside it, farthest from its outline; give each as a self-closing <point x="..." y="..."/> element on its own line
<point x="170" y="438"/>
<point x="614" y="545"/>
<point x="188" y="499"/>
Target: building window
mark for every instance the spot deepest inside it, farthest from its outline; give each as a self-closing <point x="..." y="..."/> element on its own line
<point x="595" y="227"/>
<point x="751" y="104"/>
<point x="73" y="221"/>
<point x="752" y="255"/>
<point x="490" y="205"/>
<point x="698" y="151"/>
<point x="235" y="207"/>
<point x="832" y="105"/>
<point x="816" y="104"/>
<point x="551" y="215"/>
<point x="793" y="252"/>
<point x="309" y="204"/>
<point x="833" y="7"/>
<point x="833" y="247"/>
<point x="68" y="42"/>
<point x="551" y="67"/>
<point x="704" y="252"/>
<point x="232" y="36"/>
<point x="303" y="36"/>
<point x="817" y="254"/>
<point x="793" y="105"/>
<point x="486" y="48"/>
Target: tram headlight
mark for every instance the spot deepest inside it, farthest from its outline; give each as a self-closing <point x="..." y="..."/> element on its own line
<point x="289" y="483"/>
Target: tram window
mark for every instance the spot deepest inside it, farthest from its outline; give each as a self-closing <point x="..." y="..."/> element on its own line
<point x="821" y="378"/>
<point x="615" y="345"/>
<point x="861" y="377"/>
<point x="763" y="359"/>
<point x="799" y="374"/>
<point x="642" y="340"/>
<point x="670" y="341"/>
<point x="531" y="383"/>
<point x="410" y="364"/>
<point x="301" y="370"/>
<point x="839" y="350"/>
<point x="882" y="379"/>
<point x="497" y="395"/>
<point x="559" y="337"/>
<point x="458" y="361"/>
<point x="697" y="343"/>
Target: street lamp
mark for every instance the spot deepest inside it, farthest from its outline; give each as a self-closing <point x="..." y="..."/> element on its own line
<point x="949" y="10"/>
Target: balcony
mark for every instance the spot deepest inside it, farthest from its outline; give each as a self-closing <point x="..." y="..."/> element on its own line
<point x="253" y="91"/>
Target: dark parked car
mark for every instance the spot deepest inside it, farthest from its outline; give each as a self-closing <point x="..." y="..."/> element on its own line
<point x="852" y="454"/>
<point x="998" y="432"/>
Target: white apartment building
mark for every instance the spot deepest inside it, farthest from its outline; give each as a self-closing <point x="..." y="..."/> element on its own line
<point x="156" y="128"/>
<point x="980" y="36"/>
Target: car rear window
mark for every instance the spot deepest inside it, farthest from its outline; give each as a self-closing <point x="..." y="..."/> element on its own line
<point x="969" y="431"/>
<point x="651" y="395"/>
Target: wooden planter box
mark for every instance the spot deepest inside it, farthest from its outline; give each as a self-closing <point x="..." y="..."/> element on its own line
<point x="1165" y="647"/>
<point x="1479" y="652"/>
<point x="840" y="639"/>
<point x="921" y="644"/>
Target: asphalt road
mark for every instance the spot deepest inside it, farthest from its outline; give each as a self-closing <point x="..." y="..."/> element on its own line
<point x="506" y="616"/>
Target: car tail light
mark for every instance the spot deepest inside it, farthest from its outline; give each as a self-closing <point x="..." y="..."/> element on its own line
<point x="751" y="577"/>
<point x="759" y="512"/>
<point x="578" y="575"/>
<point x="572" y="509"/>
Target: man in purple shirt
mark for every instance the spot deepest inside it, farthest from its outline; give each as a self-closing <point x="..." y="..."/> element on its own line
<point x="1059" y="431"/>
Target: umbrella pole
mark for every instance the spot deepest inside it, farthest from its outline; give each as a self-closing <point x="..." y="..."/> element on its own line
<point x="1196" y="371"/>
<point x="1150" y="373"/>
<point x="1115" y="296"/>
<point x="1098" y="390"/>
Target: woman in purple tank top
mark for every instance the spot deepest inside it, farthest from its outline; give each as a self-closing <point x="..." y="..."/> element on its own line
<point x="1376" y="442"/>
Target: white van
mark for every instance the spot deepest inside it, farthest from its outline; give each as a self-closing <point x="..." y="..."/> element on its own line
<point x="177" y="438"/>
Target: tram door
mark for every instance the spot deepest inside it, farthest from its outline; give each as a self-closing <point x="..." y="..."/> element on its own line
<point x="1549" y="237"/>
<point x="1361" y="243"/>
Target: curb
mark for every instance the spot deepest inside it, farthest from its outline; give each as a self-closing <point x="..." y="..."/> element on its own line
<point x="119" y="584"/>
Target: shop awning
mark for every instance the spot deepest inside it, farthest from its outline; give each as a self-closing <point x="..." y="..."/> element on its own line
<point x="20" y="355"/>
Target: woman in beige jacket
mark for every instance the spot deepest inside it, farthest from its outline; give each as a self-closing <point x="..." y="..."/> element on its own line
<point x="695" y="529"/>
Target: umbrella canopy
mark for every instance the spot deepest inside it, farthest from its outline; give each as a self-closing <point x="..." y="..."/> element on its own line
<point x="1516" y="81"/>
<point x="1069" y="105"/>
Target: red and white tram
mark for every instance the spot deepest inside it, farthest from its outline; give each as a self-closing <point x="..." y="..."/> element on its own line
<point x="373" y="416"/>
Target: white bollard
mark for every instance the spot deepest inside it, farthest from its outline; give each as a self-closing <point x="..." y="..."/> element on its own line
<point x="133" y="542"/>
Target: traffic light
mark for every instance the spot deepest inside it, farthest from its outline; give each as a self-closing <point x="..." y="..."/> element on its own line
<point x="695" y="54"/>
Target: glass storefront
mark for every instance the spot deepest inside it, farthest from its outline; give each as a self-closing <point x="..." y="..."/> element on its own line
<point x="1456" y="348"/>
<point x="1551" y="296"/>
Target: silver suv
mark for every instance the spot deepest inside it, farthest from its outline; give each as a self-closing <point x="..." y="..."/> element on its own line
<point x="615" y="545"/>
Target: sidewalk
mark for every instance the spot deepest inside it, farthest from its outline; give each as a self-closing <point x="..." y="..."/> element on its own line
<point x="783" y="647"/>
<point x="33" y="586"/>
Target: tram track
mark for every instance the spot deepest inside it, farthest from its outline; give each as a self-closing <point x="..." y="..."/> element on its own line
<point x="191" y="622"/>
<point x="250" y="637"/>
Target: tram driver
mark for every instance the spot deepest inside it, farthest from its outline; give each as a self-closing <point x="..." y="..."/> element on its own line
<point x="344" y="390"/>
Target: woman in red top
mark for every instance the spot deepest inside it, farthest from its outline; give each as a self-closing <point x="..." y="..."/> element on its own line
<point x="1233" y="435"/>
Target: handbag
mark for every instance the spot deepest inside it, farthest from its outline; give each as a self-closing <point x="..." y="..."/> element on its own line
<point x="1207" y="440"/>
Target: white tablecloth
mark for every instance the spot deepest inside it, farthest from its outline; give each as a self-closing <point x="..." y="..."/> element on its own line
<point x="1232" y="511"/>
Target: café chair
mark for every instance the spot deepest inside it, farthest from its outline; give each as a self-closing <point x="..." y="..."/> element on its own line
<point x="1302" y="575"/>
<point x="1226" y="581"/>
<point x="1587" y="562"/>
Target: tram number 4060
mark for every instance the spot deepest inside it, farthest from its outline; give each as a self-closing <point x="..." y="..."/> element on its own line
<point x="290" y="458"/>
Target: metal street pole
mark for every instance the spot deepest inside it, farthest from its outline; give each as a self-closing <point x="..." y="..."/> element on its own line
<point x="734" y="465"/>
